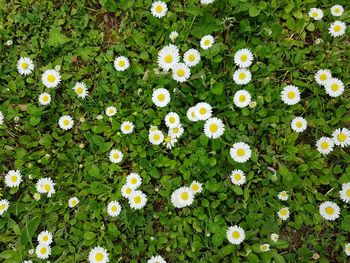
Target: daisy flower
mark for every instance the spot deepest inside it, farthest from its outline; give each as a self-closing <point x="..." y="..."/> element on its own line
<point x="325" y="145"/>
<point x="283" y="213"/>
<point x="191" y="114"/>
<point x="264" y="247"/>
<point x="322" y="76"/>
<point x="329" y="210"/>
<point x="172" y="120"/>
<point x="65" y="122"/>
<point x="126" y="191"/>
<point x="13" y="178"/>
<point x="27" y="261"/>
<point x="121" y="63"/>
<point x="45" y="237"/>
<point x="111" y="111"/>
<point x="156" y="259"/>
<point x="133" y="180"/>
<point x="243" y="58"/>
<point x="80" y="89"/>
<point x="169" y="141"/>
<point x="240" y="152"/>
<point x="238" y="177"/>
<point x="137" y="199"/>
<point x="43" y="251"/>
<point x="181" y="72"/>
<point x="283" y="196"/>
<point x="25" y="66"/>
<point x="113" y="208"/>
<point x="334" y="87"/>
<point x="214" y="128"/>
<point x="182" y="197"/>
<point x="115" y="156"/>
<point x="161" y="97"/>
<point x="316" y="13"/>
<point x="235" y="235"/>
<point x="290" y="95"/>
<point x="347" y="249"/>
<point x="207" y="42"/>
<point x="206" y="2"/>
<point x="337" y="10"/>
<point x="173" y="35"/>
<point x="242" y="76"/>
<point x="127" y="127"/>
<point x="44" y="98"/>
<point x="299" y="124"/>
<point x="344" y="193"/>
<point x="274" y="237"/>
<point x="1" y="118"/>
<point x="242" y="98"/>
<point x="168" y="56"/>
<point x="337" y="28"/>
<point x="176" y="132"/>
<point x="51" y="78"/>
<point x="341" y="137"/>
<point x="196" y="187"/>
<point x="192" y="57"/>
<point x="159" y="9"/>
<point x="4" y="206"/>
<point x="36" y="196"/>
<point x="98" y="255"/>
<point x="72" y="202"/>
<point x="203" y="111"/>
<point x="156" y="137"/>
<point x="46" y="186"/>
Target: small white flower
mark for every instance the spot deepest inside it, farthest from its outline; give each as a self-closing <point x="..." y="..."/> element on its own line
<point x="243" y="58"/>
<point x="341" y="137"/>
<point x="242" y="98"/>
<point x="121" y="63"/>
<point x="126" y="191"/>
<point x="66" y="122"/>
<point x="347" y="249"/>
<point x="127" y="127"/>
<point x="235" y="235"/>
<point x="344" y="193"/>
<point x="274" y="237"/>
<point x="207" y="42"/>
<point x="238" y="177"/>
<point x="114" y="208"/>
<point x="133" y="180"/>
<point x="196" y="187"/>
<point x="45" y="237"/>
<point x="169" y="141"/>
<point x="1" y="118"/>
<point x="176" y="132"/>
<point x="173" y="35"/>
<point x="316" y="13"/>
<point x="206" y="2"/>
<point x="240" y="152"/>
<point x="329" y="210"/>
<point x="182" y="197"/>
<point x="203" y="111"/>
<point x="9" y="42"/>
<point x="192" y="57"/>
<point x="46" y="186"/>
<point x="337" y="28"/>
<point x="51" y="78"/>
<point x="72" y="202"/>
<point x="43" y="251"/>
<point x="161" y="97"/>
<point x="172" y="120"/>
<point x="337" y="10"/>
<point x="290" y="95"/>
<point x="242" y="76"/>
<point x="191" y="114"/>
<point x="13" y="178"/>
<point x="25" y="66"/>
<point x="137" y="199"/>
<point x="156" y="259"/>
<point x="322" y="76"/>
<point x="98" y="255"/>
<point x="168" y="57"/>
<point x="283" y="196"/>
<point x="264" y="247"/>
<point x="156" y="137"/>
<point x="283" y="213"/>
<point x="325" y="145"/>
<point x="115" y="156"/>
<point x="334" y="87"/>
<point x="299" y="124"/>
<point x="80" y="89"/>
<point x="214" y="128"/>
<point x="44" y="98"/>
<point x="111" y="111"/>
<point x="4" y="206"/>
<point x="159" y="9"/>
<point x="181" y="72"/>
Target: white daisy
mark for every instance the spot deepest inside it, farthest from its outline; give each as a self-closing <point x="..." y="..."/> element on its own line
<point x="169" y="141"/>
<point x="329" y="210"/>
<point x="283" y="213"/>
<point x="4" y="206"/>
<point x="168" y="56"/>
<point x="173" y="35"/>
<point x="347" y="249"/>
<point x="161" y="97"/>
<point x="240" y="152"/>
<point x="322" y="76"/>
<point x="191" y="114"/>
<point x="325" y="145"/>
<point x="290" y="95"/>
<point x="182" y="197"/>
<point x="192" y="57"/>
<point x="127" y="127"/>
<point x="25" y="66"/>
<point x="51" y="78"/>
<point x="243" y="58"/>
<point x="207" y="42"/>
<point x="156" y="137"/>
<point x="73" y="201"/>
<point x="337" y="28"/>
<point x="316" y="13"/>
<point x="36" y="196"/>
<point x="196" y="187"/>
<point x="13" y="178"/>
<point x="334" y="87"/>
<point x="121" y="63"/>
<point x="1" y="118"/>
<point x="214" y="128"/>
<point x="115" y="156"/>
<point x="80" y="89"/>
<point x="45" y="237"/>
<point x="113" y="208"/>
<point x="264" y="247"/>
<point x="44" y="98"/>
<point x="43" y="251"/>
<point x="337" y="10"/>
<point x="156" y="259"/>
<point x="159" y="9"/>
<point x="181" y="72"/>
<point x="283" y="196"/>
<point x="65" y="122"/>
<point x="46" y="186"/>
<point x="111" y="111"/>
<point x="27" y="261"/>
<point x="344" y="193"/>
<point x="238" y="177"/>
<point x="98" y="255"/>
<point x="242" y="76"/>
<point x="126" y="191"/>
<point x="137" y="199"/>
<point x="172" y="120"/>
<point x="133" y="180"/>
<point x="206" y="2"/>
<point x="203" y="111"/>
<point x="299" y="124"/>
<point x="176" y="132"/>
<point x="341" y="137"/>
<point x="274" y="237"/>
<point x="235" y="235"/>
<point x="242" y="98"/>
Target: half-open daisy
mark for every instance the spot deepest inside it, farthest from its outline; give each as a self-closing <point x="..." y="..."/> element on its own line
<point x="264" y="247"/>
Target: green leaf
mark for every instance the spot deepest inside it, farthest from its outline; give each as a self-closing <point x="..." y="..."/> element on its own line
<point x="56" y="38"/>
<point x="29" y="230"/>
<point x="254" y="11"/>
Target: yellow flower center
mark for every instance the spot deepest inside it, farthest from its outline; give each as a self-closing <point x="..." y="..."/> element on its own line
<point x="25" y="65"/>
<point x="2" y="207"/>
<point x="244" y="58"/>
<point x="240" y="152"/>
<point x="323" y="77"/>
<point x="111" y="111"/>
<point x="45" y="238"/>
<point x="241" y="76"/>
<point x="66" y="122"/>
<point x="180" y="72"/>
<point x="263" y="247"/>
<point x="207" y="42"/>
<point x="191" y="57"/>
<point x="236" y="235"/>
<point x="74" y="202"/>
<point x="195" y="187"/>
<point x="99" y="256"/>
<point x="114" y="208"/>
<point x="202" y="111"/>
<point x="45" y="98"/>
<point x="213" y="127"/>
<point x="348" y="193"/>
<point x="47" y="187"/>
<point x="291" y="95"/>
<point x="159" y="8"/>
<point x="242" y="98"/>
<point x="337" y="28"/>
<point x="128" y="191"/>
<point x="299" y="124"/>
<point x="161" y="97"/>
<point x="324" y="145"/>
<point x="172" y="119"/>
<point x="116" y="156"/>
<point x="315" y="14"/>
<point x="185" y="196"/>
<point x="335" y="87"/>
<point x="79" y="90"/>
<point x="51" y="78"/>
<point x="127" y="127"/>
<point x="121" y="63"/>
<point x="329" y="210"/>
<point x="337" y="10"/>
<point x="167" y="139"/>
<point x="341" y="137"/>
<point x="13" y="178"/>
<point x="156" y="137"/>
<point x="133" y="181"/>
<point x="283" y="212"/>
<point x="43" y="250"/>
<point x="176" y="130"/>
<point x="237" y="177"/>
<point x="137" y="199"/>
<point x="168" y="58"/>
